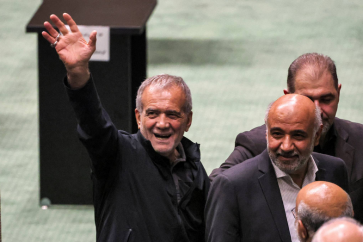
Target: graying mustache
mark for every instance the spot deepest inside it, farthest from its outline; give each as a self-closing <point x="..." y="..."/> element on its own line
<point x="287" y="154"/>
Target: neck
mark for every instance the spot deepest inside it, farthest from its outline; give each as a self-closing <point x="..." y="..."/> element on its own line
<point x="298" y="176"/>
<point x="322" y="140"/>
<point x="175" y="155"/>
<point x="323" y="136"/>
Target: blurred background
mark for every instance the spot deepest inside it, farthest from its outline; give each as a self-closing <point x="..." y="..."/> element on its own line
<point x="234" y="55"/>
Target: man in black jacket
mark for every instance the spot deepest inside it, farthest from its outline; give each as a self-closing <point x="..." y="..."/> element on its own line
<point x="315" y="76"/>
<point x="149" y="186"/>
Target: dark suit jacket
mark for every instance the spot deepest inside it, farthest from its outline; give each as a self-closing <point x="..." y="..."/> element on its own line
<point x="348" y="147"/>
<point x="245" y="204"/>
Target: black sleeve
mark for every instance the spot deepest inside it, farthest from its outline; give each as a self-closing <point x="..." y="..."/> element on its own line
<point x="95" y="128"/>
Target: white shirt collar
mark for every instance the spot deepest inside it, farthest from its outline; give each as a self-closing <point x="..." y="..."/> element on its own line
<point x="309" y="176"/>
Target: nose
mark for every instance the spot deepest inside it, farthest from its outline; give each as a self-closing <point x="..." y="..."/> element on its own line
<point x="162" y="122"/>
<point x="286" y="144"/>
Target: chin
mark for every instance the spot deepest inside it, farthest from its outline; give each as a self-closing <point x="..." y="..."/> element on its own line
<point x="164" y="151"/>
<point x="291" y="168"/>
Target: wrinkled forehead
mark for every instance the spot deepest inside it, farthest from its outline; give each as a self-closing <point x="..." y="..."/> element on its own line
<point x="159" y="86"/>
<point x="173" y="94"/>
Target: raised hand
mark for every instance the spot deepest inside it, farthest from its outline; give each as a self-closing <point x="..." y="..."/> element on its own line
<point x="72" y="48"/>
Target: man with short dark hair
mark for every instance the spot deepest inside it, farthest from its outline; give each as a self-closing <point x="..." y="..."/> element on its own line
<point x="149" y="186"/>
<point x="253" y="201"/>
<point x="317" y="203"/>
<point x="315" y="76"/>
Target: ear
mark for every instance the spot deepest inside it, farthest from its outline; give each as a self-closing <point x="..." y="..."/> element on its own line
<point x="189" y="121"/>
<point x="301" y="230"/>
<point x="317" y="135"/>
<point x="339" y="88"/>
<point x="286" y="91"/>
<point x="138" y="118"/>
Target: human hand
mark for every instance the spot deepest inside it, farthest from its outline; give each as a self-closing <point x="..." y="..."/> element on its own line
<point x="72" y="48"/>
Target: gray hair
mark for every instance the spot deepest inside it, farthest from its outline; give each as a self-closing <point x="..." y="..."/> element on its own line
<point x="165" y="81"/>
<point x="319" y="233"/>
<point x="317" y="121"/>
<point x="313" y="218"/>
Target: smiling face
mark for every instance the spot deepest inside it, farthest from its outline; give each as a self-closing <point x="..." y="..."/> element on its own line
<point x="163" y="120"/>
<point x="322" y="91"/>
<point x="290" y="133"/>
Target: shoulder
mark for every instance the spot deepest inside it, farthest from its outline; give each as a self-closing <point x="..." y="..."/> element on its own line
<point x="258" y="133"/>
<point x="255" y="139"/>
<point x="352" y="128"/>
<point x="327" y="161"/>
<point x="246" y="170"/>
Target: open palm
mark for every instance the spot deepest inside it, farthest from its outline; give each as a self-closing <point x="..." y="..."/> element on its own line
<point x="71" y="47"/>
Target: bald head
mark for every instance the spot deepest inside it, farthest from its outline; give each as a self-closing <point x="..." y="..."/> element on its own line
<point x="325" y="198"/>
<point x="317" y="203"/>
<point x="295" y="106"/>
<point x="340" y="230"/>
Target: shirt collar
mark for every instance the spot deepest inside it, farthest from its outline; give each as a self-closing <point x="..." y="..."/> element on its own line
<point x="182" y="156"/>
<point x="188" y="149"/>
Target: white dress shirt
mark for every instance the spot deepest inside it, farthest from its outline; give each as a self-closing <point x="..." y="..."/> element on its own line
<point x="289" y="191"/>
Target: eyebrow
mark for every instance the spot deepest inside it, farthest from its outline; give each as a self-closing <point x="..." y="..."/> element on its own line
<point x="328" y="95"/>
<point x="299" y="131"/>
<point x="167" y="111"/>
<point x="323" y="96"/>
<point x="151" y="109"/>
<point x="275" y="129"/>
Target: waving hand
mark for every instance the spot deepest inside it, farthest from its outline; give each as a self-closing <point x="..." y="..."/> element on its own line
<point x="72" y="48"/>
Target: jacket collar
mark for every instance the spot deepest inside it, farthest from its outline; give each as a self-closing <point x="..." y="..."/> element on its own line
<point x="192" y="153"/>
<point x="343" y="150"/>
<point x="271" y="190"/>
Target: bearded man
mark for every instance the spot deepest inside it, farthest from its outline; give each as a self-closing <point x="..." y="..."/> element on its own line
<point x="254" y="200"/>
<point x="315" y="76"/>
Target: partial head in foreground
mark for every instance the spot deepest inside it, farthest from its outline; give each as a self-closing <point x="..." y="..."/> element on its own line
<point x="293" y="129"/>
<point x="317" y="203"/>
<point x="340" y="230"/>
<point x="315" y="76"/>
<point x="164" y="112"/>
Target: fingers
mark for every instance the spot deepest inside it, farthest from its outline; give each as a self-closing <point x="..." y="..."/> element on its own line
<point x="52" y="32"/>
<point x="49" y="38"/>
<point x="92" y="38"/>
<point x="60" y="25"/>
<point x="72" y="24"/>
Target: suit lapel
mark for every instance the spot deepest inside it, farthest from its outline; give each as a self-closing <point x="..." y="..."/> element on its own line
<point x="320" y="175"/>
<point x="343" y="150"/>
<point x="271" y="191"/>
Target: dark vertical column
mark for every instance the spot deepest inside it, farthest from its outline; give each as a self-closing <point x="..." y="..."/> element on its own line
<point x="139" y="65"/>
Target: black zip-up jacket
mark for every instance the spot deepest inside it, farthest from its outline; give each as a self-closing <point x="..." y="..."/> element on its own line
<point x="134" y="192"/>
